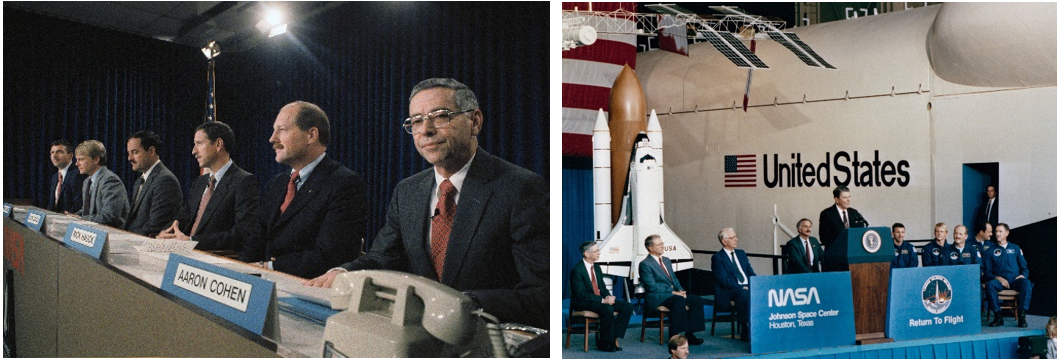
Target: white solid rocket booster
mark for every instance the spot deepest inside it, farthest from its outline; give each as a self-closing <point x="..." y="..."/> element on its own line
<point x="602" y="177"/>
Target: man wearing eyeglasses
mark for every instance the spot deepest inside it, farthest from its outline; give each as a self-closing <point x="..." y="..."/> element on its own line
<point x="474" y="222"/>
<point x="312" y="216"/>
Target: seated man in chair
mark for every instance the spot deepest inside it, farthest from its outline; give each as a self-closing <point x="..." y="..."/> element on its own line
<point x="732" y="273"/>
<point x="661" y="289"/>
<point x="1005" y="268"/>
<point x="589" y="293"/>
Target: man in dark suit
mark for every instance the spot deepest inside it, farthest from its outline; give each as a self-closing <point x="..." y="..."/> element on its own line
<point x="663" y="289"/>
<point x="103" y="194"/>
<point x="156" y="193"/>
<point x="838" y="216"/>
<point x="732" y="273"/>
<point x="64" y="186"/>
<point x="805" y="252"/>
<point x="989" y="211"/>
<point x="589" y="293"/>
<point x="497" y="213"/>
<point x="220" y="213"/>
<point x="313" y="216"/>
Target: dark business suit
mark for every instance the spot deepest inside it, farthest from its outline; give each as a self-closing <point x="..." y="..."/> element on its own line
<point x="986" y="215"/>
<point x="798" y="260"/>
<point x="727" y="287"/>
<point x="231" y="215"/>
<point x="831" y="224"/>
<point x="498" y="251"/>
<point x="322" y="227"/>
<point x="156" y="206"/>
<point x="69" y="193"/>
<point x="110" y="205"/>
<point x="583" y="298"/>
<point x="658" y="292"/>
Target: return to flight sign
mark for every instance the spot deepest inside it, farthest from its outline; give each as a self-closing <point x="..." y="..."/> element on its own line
<point x="802" y="311"/>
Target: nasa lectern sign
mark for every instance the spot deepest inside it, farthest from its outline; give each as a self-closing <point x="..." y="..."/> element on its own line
<point x="803" y="311"/>
<point x="934" y="301"/>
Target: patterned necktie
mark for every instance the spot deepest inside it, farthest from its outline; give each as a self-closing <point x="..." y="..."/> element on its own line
<point x="593" y="281"/>
<point x="58" y="185"/>
<point x="441" y="223"/>
<point x="88" y="199"/>
<point x="291" y="191"/>
<point x="845" y="213"/>
<point x="807" y="251"/>
<point x="203" y="203"/>
<point x="740" y="276"/>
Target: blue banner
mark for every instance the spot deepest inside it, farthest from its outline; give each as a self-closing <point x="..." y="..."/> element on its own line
<point x="86" y="239"/>
<point x="934" y="302"/>
<point x="802" y="311"/>
<point x="35" y="219"/>
<point x="236" y="297"/>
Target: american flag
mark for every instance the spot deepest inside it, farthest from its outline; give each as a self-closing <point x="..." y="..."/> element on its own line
<point x="740" y="171"/>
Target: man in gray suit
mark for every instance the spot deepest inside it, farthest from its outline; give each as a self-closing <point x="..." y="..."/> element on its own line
<point x="662" y="288"/>
<point x="156" y="193"/>
<point x="474" y="222"/>
<point x="104" y="194"/>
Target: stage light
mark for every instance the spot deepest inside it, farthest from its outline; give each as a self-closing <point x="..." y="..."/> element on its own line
<point x="211" y="50"/>
<point x="273" y="24"/>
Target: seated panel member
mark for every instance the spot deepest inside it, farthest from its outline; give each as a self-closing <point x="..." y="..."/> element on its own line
<point x="497" y="250"/>
<point x="313" y="216"/>
<point x="663" y="289"/>
<point x="933" y="253"/>
<point x="589" y="293"/>
<point x="1006" y="268"/>
<point x="221" y="210"/>
<point x="103" y="194"/>
<point x="156" y="193"/>
<point x="960" y="252"/>
<point x="805" y="252"/>
<point x="983" y="241"/>
<point x="732" y="273"/>
<point x="839" y="216"/>
<point x="65" y="185"/>
<point x="904" y="255"/>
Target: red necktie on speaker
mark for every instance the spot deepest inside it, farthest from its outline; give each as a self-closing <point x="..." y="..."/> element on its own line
<point x="593" y="282"/>
<point x="291" y="191"/>
<point x="58" y="185"/>
<point x="203" y="203"/>
<point x="441" y="223"/>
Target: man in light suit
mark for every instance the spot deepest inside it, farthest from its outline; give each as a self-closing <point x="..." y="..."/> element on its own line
<point x="732" y="274"/>
<point x="313" y="216"/>
<point x="589" y="293"/>
<point x="839" y="216"/>
<point x="104" y="200"/>
<point x="65" y="196"/>
<point x="805" y="252"/>
<point x="663" y="289"/>
<point x="229" y="216"/>
<point x="156" y="193"/>
<point x="497" y="213"/>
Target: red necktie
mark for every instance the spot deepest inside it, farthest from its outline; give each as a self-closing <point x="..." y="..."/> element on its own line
<point x="202" y="204"/>
<point x="441" y="223"/>
<point x="661" y="260"/>
<point x="593" y="281"/>
<point x="291" y="191"/>
<point x="58" y="185"/>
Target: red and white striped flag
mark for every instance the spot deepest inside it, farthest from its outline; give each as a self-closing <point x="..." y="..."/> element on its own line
<point x="739" y="171"/>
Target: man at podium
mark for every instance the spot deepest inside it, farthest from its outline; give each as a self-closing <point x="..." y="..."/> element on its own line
<point x="838" y="216"/>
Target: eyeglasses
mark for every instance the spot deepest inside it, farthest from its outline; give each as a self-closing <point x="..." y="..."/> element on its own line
<point x="440" y="119"/>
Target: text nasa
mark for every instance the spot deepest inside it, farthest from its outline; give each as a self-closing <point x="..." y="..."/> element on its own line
<point x="953" y="320"/>
<point x="219" y="288"/>
<point x="798" y="297"/>
<point x="865" y="173"/>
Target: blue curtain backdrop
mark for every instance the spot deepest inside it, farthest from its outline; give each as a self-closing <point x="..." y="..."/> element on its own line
<point x="64" y="80"/>
<point x="578" y="209"/>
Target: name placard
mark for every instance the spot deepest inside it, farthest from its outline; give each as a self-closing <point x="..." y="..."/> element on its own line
<point x="934" y="301"/>
<point x="7" y="210"/>
<point x="802" y="311"/>
<point x="244" y="300"/>
<point x="35" y="219"/>
<point x="86" y="239"/>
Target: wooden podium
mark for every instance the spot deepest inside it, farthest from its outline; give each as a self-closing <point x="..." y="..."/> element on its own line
<point x="866" y="253"/>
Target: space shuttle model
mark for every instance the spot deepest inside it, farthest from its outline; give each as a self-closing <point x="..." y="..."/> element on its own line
<point x="629" y="183"/>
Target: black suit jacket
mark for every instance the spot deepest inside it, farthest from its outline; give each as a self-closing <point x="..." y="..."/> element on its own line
<point x="231" y="216"/>
<point x="322" y="227"/>
<point x="582" y="291"/>
<point x="797" y="262"/>
<point x="992" y="216"/>
<point x="69" y="194"/>
<point x="156" y="207"/>
<point x="498" y="251"/>
<point x="830" y="223"/>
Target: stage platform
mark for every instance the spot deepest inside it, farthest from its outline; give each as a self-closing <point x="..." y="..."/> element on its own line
<point x="991" y="343"/>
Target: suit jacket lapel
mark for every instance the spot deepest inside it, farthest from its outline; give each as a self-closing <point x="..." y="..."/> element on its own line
<point x="420" y="201"/>
<point x="474" y="196"/>
<point x="220" y="191"/>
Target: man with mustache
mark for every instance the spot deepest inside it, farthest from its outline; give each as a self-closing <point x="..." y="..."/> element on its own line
<point x="474" y="222"/>
<point x="313" y="216"/>
<point x="156" y="193"/>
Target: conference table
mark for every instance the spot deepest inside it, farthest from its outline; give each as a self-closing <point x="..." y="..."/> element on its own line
<point x="60" y="302"/>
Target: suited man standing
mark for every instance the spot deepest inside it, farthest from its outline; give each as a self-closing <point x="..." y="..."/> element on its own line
<point x="839" y="216"/>
<point x="64" y="185"/>
<point x="805" y="252"/>
<point x="662" y="289"/>
<point x="156" y="193"/>
<point x="989" y="211"/>
<point x="221" y="210"/>
<point x="312" y="216"/>
<point x="473" y="222"/>
<point x="103" y="194"/>
<point x="732" y="273"/>
<point x="589" y="293"/>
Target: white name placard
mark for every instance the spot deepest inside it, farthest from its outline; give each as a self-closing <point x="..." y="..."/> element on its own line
<point x="230" y="292"/>
<point x="83" y="236"/>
